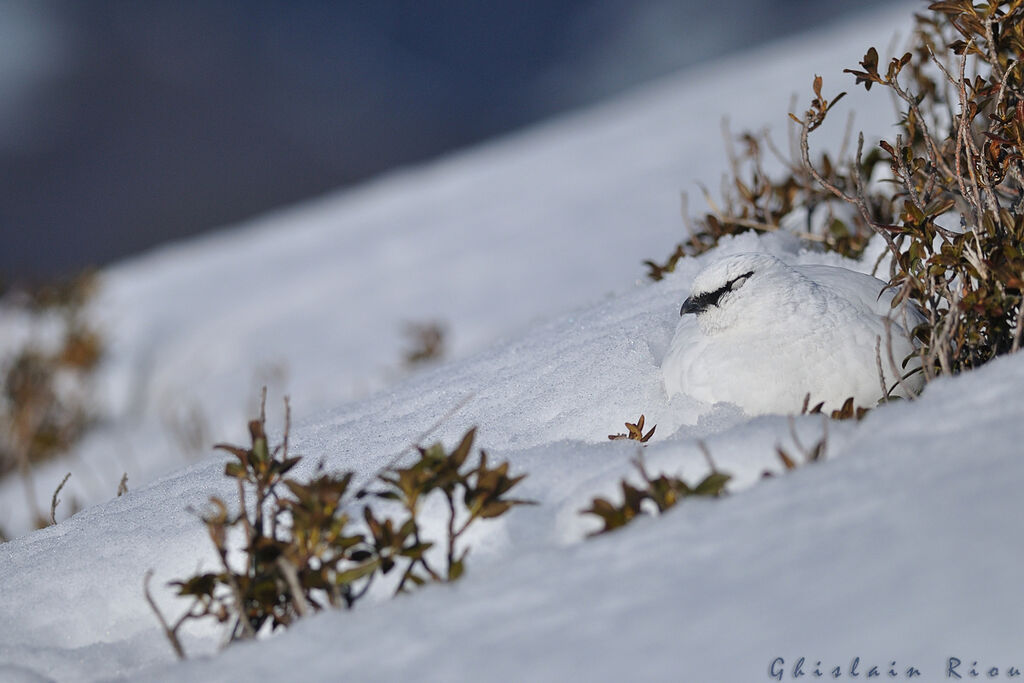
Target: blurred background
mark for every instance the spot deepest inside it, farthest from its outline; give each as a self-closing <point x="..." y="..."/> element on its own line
<point x="126" y="123"/>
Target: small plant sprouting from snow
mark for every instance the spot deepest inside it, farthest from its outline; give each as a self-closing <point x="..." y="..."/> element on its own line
<point x="635" y="432"/>
<point x="812" y="454"/>
<point x="656" y="494"/>
<point x="847" y="411"/>
<point x="427" y="343"/>
<point x="306" y="549"/>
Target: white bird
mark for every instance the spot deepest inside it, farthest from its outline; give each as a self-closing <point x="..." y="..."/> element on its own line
<point x="763" y="335"/>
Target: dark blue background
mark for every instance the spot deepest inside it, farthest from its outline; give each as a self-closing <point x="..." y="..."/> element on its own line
<point x="135" y="122"/>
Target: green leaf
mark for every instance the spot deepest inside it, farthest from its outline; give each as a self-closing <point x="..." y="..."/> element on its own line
<point x="712" y="485"/>
<point x="457" y="569"/>
<point x="355" y="573"/>
<point x="459" y="455"/>
<point x="235" y="470"/>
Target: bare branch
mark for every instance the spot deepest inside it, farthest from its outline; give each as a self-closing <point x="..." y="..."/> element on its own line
<point x="55" y="501"/>
<point x="171" y="633"/>
<point x="707" y="454"/>
<point x="878" y="365"/>
<point x="291" y="576"/>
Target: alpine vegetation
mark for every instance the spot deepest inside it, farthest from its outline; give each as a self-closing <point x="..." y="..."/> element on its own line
<point x="952" y="217"/>
<point x="635" y="432"/>
<point x="943" y="193"/>
<point x="764" y="335"/>
<point x="655" y="495"/>
<point x="303" y="546"/>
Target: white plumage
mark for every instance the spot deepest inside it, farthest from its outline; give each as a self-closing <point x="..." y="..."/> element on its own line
<point x="762" y="334"/>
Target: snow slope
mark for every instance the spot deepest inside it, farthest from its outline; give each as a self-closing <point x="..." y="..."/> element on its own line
<point x="896" y="549"/>
<point x="312" y="300"/>
<point x="901" y="550"/>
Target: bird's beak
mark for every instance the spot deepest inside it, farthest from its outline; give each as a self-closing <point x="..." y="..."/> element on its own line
<point x="691" y="306"/>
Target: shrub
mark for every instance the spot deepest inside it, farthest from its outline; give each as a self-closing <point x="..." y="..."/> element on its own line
<point x="304" y="551"/>
<point x="655" y="494"/>
<point x="796" y="203"/>
<point x="952" y="213"/>
<point x="958" y="168"/>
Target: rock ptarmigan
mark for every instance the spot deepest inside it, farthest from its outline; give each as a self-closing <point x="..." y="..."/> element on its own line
<point x="762" y="334"/>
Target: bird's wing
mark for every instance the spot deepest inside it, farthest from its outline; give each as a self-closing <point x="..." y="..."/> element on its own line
<point x="861" y="290"/>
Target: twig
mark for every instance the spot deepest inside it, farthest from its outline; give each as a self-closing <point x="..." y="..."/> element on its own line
<point x="291" y="576"/>
<point x="907" y="177"/>
<point x="878" y="365"/>
<point x="796" y="439"/>
<point x="1002" y="87"/>
<point x="786" y="161"/>
<point x="823" y="444"/>
<point x="171" y="633"/>
<point x="990" y="47"/>
<point x="452" y="535"/>
<point x="287" y="428"/>
<point x="55" y="501"/>
<point x="250" y="533"/>
<point x="818" y="452"/>
<point x="934" y="155"/>
<point x="941" y="342"/>
<point x="858" y="200"/>
<point x="722" y="217"/>
<point x="707" y="454"/>
<point x="878" y="262"/>
<point x="236" y="593"/>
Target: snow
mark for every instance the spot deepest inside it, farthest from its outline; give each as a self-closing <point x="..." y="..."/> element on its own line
<point x="896" y="548"/>
<point x="811" y="333"/>
<point x="312" y="300"/>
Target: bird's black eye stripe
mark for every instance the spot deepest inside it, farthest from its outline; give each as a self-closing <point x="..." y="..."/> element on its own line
<point x="701" y="302"/>
<point x="711" y="298"/>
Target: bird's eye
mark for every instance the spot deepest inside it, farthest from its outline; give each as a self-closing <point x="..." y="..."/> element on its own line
<point x="738" y="282"/>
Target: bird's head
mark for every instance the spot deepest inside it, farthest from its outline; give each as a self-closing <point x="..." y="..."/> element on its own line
<point x="729" y="289"/>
